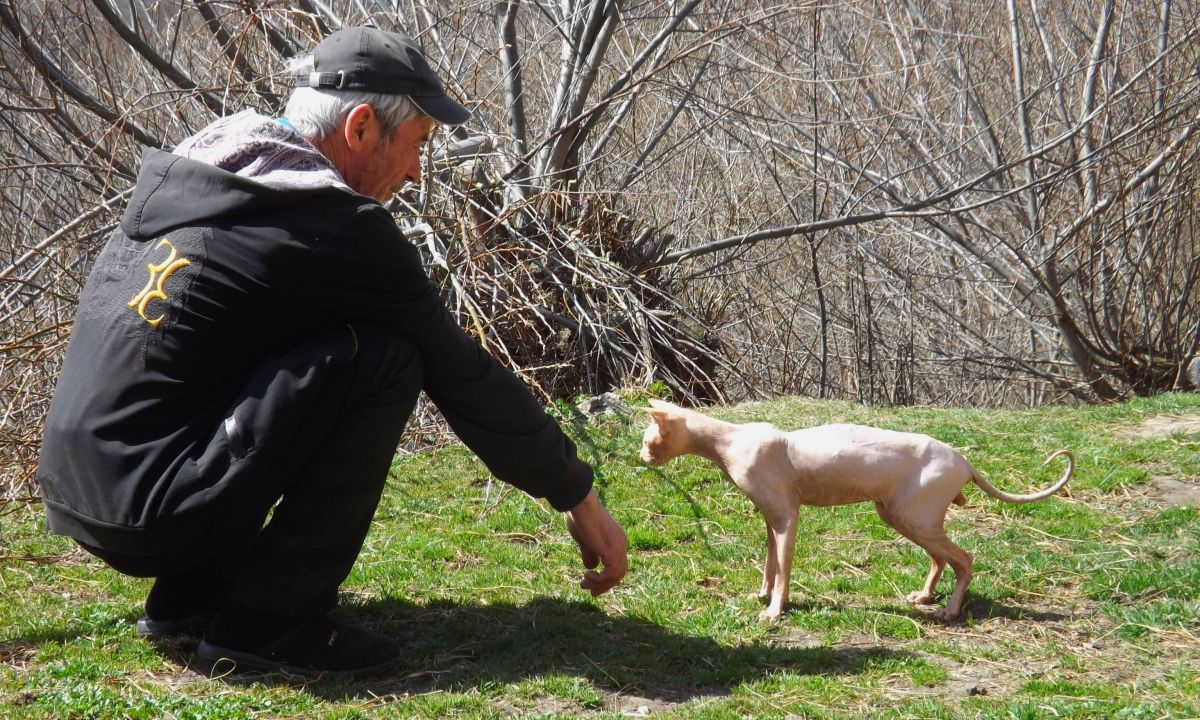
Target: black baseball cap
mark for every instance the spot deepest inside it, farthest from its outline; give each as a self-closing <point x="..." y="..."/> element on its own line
<point x="374" y="60"/>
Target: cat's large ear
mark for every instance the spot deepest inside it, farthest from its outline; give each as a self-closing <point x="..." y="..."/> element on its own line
<point x="660" y="411"/>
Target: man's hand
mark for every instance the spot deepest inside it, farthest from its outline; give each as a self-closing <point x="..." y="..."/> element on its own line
<point x="601" y="541"/>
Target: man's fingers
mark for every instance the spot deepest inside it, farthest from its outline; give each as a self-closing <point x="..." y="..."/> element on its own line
<point x="590" y="558"/>
<point x="598" y="583"/>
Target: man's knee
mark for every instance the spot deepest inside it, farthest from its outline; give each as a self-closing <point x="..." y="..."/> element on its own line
<point x="388" y="362"/>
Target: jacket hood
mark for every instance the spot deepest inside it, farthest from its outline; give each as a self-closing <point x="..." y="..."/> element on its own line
<point x="244" y="162"/>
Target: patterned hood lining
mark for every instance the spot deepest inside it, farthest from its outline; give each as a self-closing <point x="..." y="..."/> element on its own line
<point x="261" y="149"/>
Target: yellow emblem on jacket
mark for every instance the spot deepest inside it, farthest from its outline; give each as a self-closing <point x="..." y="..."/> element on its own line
<point x="154" y="288"/>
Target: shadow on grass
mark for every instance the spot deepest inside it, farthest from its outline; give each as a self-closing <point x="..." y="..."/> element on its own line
<point x="978" y="609"/>
<point x="459" y="647"/>
<point x="975" y="609"/>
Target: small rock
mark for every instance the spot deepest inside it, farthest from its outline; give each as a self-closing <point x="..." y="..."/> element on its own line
<point x="603" y="404"/>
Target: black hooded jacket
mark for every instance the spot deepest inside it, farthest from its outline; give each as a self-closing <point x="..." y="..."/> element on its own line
<point x="210" y="272"/>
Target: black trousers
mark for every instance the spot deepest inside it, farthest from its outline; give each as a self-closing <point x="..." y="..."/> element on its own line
<point x="312" y="436"/>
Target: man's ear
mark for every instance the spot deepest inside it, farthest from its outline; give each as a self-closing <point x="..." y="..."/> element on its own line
<point x="361" y="128"/>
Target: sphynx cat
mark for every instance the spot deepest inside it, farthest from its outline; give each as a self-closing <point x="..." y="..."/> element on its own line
<point x="911" y="478"/>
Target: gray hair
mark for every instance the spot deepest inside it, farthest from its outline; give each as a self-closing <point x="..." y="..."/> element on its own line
<point x="317" y="113"/>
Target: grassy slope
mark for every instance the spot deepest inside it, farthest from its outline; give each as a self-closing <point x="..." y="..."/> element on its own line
<point x="1084" y="606"/>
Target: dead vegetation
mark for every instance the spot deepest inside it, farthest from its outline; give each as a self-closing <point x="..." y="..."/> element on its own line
<point x="960" y="203"/>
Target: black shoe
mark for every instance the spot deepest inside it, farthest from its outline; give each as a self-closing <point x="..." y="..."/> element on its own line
<point x="152" y="629"/>
<point x="308" y="647"/>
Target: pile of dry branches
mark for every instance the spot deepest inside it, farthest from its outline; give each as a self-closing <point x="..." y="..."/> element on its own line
<point x="913" y="202"/>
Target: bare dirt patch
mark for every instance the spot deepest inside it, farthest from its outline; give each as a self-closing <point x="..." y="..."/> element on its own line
<point x="1177" y="492"/>
<point x="1164" y="426"/>
<point x="632" y="704"/>
<point x="1171" y="491"/>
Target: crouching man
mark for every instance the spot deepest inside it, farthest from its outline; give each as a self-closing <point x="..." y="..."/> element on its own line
<point x="250" y="344"/>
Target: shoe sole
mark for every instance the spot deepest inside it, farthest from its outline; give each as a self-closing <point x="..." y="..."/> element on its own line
<point x="239" y="661"/>
<point x="152" y="629"/>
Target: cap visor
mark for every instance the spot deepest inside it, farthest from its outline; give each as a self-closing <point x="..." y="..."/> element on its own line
<point x="442" y="109"/>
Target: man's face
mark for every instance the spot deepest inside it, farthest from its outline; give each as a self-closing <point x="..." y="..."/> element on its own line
<point x="395" y="160"/>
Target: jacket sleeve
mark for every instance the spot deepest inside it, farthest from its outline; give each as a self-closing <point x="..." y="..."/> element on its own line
<point x="370" y="272"/>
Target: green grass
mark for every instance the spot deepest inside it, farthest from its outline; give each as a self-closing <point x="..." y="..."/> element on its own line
<point x="1084" y="606"/>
